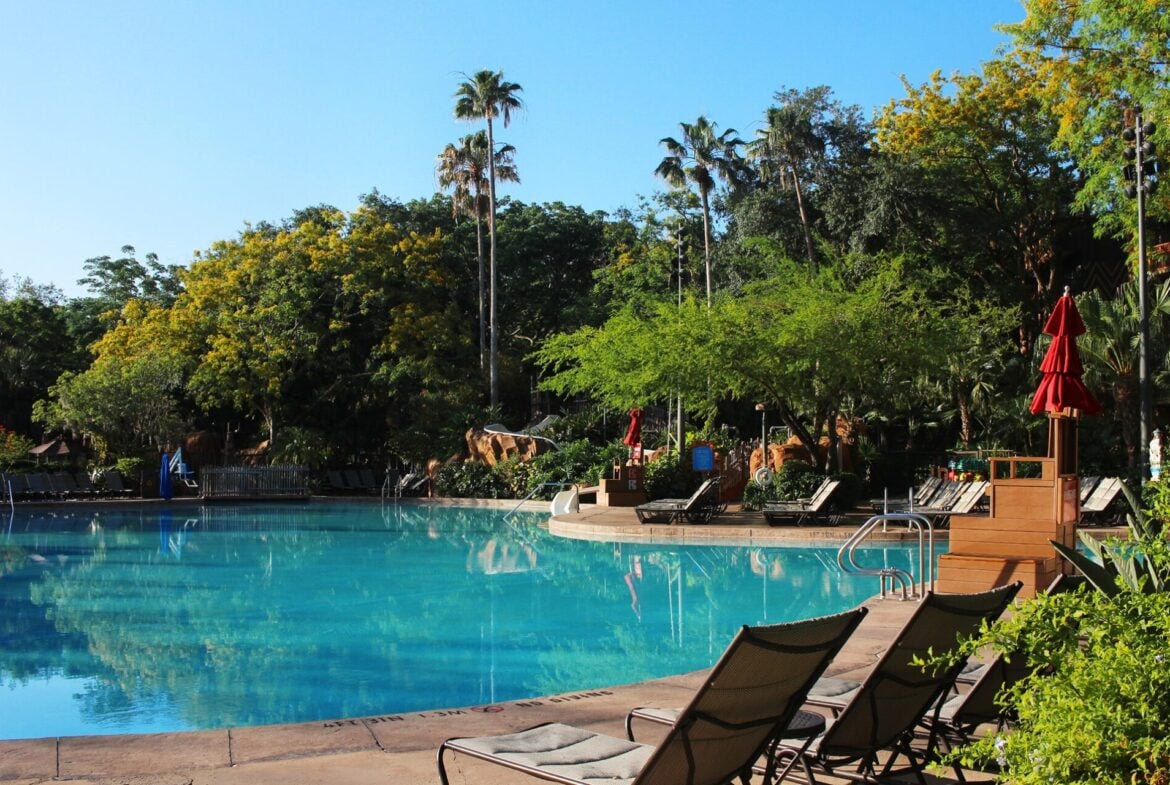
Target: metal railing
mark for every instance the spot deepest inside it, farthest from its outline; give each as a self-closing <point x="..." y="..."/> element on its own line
<point x="889" y="576"/>
<point x="532" y="493"/>
<point x="226" y="482"/>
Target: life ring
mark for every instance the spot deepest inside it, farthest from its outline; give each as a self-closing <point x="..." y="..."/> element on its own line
<point x="763" y="475"/>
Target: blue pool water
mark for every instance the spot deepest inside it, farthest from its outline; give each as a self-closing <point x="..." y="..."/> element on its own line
<point x="120" y="621"/>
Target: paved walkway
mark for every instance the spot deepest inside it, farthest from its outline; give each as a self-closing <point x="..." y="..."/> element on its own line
<point x="401" y="748"/>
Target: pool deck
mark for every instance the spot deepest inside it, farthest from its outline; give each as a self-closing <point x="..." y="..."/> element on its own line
<point x="401" y="748"/>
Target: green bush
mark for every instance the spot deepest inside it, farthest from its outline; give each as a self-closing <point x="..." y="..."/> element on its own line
<point x="469" y="480"/>
<point x="669" y="477"/>
<point x="796" y="480"/>
<point x="1097" y="707"/>
<point x="579" y="461"/>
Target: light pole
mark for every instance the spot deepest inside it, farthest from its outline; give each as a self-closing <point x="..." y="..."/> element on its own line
<point x="1141" y="173"/>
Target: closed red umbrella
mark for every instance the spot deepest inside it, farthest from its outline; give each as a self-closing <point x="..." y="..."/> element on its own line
<point x="1061" y="387"/>
<point x="634" y="432"/>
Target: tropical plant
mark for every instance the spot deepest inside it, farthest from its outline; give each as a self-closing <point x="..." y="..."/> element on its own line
<point x="464" y="168"/>
<point x="1139" y="563"/>
<point x="487" y="95"/>
<point x="702" y="157"/>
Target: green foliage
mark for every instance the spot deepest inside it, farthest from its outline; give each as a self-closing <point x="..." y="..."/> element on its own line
<point x="13" y="448"/>
<point x="469" y="480"/>
<point x="1097" y="707"/>
<point x="1139" y="563"/>
<point x="579" y="461"/>
<point x="795" y="480"/>
<point x="670" y="477"/>
<point x="302" y="447"/>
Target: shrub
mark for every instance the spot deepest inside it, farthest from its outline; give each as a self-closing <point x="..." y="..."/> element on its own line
<point x="669" y="477"/>
<point x="796" y="480"/>
<point x="468" y="480"/>
<point x="1096" y="708"/>
<point x="579" y="461"/>
<point x="13" y="448"/>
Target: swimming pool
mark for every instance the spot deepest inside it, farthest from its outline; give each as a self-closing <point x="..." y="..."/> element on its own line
<point x="148" y="620"/>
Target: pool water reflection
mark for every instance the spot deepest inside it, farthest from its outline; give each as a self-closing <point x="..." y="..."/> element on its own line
<point x="118" y="621"/>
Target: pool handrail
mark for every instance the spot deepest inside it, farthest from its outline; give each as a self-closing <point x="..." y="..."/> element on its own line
<point x="846" y="558"/>
<point x="533" y="492"/>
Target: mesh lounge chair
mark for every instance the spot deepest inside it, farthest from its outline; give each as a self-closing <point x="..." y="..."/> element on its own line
<point x="1095" y="510"/>
<point x="921" y="496"/>
<point x="1087" y="485"/>
<point x="750" y="697"/>
<point x="800" y="512"/>
<point x="698" y="508"/>
<point x="897" y="695"/>
<point x="963" y="504"/>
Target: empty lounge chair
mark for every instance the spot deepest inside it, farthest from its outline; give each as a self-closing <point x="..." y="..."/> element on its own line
<point x="898" y="695"/>
<point x="749" y="698"/>
<point x="801" y="511"/>
<point x="697" y="508"/>
<point x="1096" y="508"/>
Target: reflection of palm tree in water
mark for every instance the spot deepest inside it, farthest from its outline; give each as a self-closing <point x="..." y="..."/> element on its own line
<point x="634" y="573"/>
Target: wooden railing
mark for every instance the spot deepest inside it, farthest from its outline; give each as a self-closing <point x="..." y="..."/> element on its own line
<point x="254" y="482"/>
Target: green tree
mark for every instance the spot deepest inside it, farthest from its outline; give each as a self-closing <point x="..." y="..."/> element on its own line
<point x="998" y="194"/>
<point x="119" y="406"/>
<point x="464" y="169"/>
<point x="702" y="157"/>
<point x="487" y="95"/>
<point x="1091" y="61"/>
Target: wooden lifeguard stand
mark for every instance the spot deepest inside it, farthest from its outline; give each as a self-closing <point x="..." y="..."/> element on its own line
<point x="1034" y="502"/>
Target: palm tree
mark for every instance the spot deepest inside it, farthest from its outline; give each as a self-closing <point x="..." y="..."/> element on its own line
<point x="701" y="157"/>
<point x="782" y="149"/>
<point x="485" y="94"/>
<point x="464" y="167"/>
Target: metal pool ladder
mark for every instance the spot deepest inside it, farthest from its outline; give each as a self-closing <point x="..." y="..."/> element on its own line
<point x="889" y="576"/>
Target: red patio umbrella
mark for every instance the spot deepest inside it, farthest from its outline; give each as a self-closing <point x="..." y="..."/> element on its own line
<point x="634" y="432"/>
<point x="1061" y="387"/>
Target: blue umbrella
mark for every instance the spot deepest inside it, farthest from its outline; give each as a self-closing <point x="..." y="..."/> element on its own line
<point x="164" y="478"/>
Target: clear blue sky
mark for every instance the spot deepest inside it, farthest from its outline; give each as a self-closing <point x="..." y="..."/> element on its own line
<point x="169" y="125"/>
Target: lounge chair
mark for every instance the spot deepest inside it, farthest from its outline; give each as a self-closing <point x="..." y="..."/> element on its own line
<point x="39" y="486"/>
<point x="85" y="486"/>
<point x="1096" y="509"/>
<point x="750" y="697"/>
<point x="897" y="696"/>
<point x="963" y="504"/>
<point x="801" y="511"/>
<point x="63" y="485"/>
<point x="696" y="509"/>
<point x="114" y="484"/>
<point x="1087" y="485"/>
<point x="919" y="496"/>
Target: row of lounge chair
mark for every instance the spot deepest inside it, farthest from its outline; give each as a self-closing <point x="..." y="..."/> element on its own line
<point x="45" y="486"/>
<point x="352" y="481"/>
<point x="748" y="716"/>
<point x="939" y="499"/>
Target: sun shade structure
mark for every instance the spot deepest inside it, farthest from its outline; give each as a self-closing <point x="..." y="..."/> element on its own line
<point x="747" y="701"/>
<point x="1061" y="388"/>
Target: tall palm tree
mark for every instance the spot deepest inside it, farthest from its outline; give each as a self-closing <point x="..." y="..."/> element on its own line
<point x="486" y="94"/>
<point x="782" y="149"/>
<point x="701" y="157"/>
<point x="464" y="168"/>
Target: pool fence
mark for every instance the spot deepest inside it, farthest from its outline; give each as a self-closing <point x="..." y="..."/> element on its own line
<point x="254" y="482"/>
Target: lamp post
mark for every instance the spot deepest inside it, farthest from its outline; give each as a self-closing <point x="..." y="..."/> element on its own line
<point x="1140" y="173"/>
